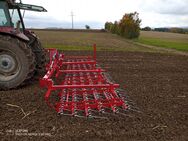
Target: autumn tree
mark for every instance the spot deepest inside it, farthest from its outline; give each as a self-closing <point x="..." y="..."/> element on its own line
<point x="108" y="26"/>
<point x="115" y="28"/>
<point x="130" y="25"/>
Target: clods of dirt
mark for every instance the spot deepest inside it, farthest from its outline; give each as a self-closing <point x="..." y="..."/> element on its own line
<point x="157" y="83"/>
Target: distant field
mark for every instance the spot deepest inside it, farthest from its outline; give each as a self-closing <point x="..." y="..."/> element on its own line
<point x="67" y="40"/>
<point x="166" y="40"/>
<point x="80" y="40"/>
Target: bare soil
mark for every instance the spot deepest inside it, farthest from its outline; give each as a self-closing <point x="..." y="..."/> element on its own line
<point x="157" y="83"/>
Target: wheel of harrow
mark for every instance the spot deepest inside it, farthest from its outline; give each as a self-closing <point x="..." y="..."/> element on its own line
<point x="17" y="62"/>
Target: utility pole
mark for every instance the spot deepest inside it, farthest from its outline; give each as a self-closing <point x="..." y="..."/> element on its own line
<point x="72" y="16"/>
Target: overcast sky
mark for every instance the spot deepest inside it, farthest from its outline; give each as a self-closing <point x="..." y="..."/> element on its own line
<point x="154" y="13"/>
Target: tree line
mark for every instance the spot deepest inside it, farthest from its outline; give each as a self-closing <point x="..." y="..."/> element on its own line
<point x="173" y="29"/>
<point x="128" y="26"/>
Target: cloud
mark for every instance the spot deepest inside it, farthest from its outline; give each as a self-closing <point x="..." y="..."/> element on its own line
<point x="170" y="7"/>
<point x="153" y="13"/>
<point x="163" y="20"/>
<point x="32" y="21"/>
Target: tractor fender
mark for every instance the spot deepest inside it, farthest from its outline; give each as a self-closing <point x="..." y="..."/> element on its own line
<point x="31" y="33"/>
<point x="20" y="36"/>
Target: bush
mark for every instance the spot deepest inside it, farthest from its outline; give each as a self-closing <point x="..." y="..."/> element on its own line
<point x="162" y="29"/>
<point x="177" y="30"/>
<point x="87" y="26"/>
<point x="147" y="28"/>
<point x="108" y="26"/>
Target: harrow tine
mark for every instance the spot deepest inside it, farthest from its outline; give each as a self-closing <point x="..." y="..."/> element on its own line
<point x="97" y="117"/>
<point x="129" y="103"/>
<point x="98" y="114"/>
<point x="133" y="107"/>
<point x="134" y="110"/>
<point x="124" y="114"/>
<point x="117" y="114"/>
<point x="123" y="95"/>
<point x="109" y="78"/>
<point x="81" y="116"/>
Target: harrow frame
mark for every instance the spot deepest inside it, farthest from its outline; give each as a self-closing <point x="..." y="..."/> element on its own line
<point x="84" y="87"/>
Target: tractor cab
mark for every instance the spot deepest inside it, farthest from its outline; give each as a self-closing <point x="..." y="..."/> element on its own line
<point x="12" y="14"/>
<point x="5" y="19"/>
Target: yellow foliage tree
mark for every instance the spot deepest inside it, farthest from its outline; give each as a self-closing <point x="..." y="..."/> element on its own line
<point x="130" y="25"/>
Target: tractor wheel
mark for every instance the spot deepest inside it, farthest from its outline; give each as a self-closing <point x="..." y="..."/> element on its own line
<point x="40" y="56"/>
<point x="17" y="62"/>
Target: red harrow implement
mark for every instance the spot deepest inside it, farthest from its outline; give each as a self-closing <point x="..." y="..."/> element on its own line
<point x="82" y="87"/>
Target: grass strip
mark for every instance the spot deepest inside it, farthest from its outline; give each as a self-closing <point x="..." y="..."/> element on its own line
<point x="99" y="48"/>
<point x="181" y="46"/>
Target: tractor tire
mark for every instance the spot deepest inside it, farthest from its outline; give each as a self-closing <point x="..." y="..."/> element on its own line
<point x="40" y="56"/>
<point x="39" y="52"/>
<point x="17" y="62"/>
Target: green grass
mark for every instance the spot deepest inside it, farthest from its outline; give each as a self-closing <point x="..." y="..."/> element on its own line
<point x="178" y="45"/>
<point x="90" y="48"/>
<point x="63" y="47"/>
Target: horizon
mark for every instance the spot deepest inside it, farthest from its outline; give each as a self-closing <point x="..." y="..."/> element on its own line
<point x="186" y="27"/>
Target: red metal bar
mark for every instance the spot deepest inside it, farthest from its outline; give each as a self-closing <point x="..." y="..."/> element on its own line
<point x="83" y="62"/>
<point x="78" y="71"/>
<point x="78" y="57"/>
<point x="56" y="87"/>
<point x="94" y="52"/>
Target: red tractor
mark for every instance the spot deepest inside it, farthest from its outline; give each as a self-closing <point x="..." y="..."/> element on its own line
<point x="21" y="54"/>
